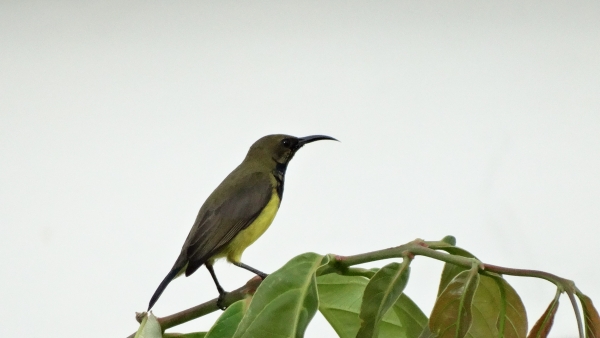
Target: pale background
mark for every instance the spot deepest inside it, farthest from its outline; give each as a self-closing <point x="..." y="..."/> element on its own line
<point x="118" y="119"/>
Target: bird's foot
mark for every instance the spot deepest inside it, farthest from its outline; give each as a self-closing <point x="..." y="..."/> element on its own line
<point x="221" y="299"/>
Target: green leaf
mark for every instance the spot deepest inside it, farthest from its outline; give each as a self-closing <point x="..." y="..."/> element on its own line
<point x="497" y="310"/>
<point x="410" y="316"/>
<point x="382" y="291"/>
<point x="450" y="270"/>
<point x="340" y="299"/>
<point x="544" y="324"/>
<point x="285" y="302"/>
<point x="450" y="240"/>
<point x="592" y="320"/>
<point x="451" y="315"/>
<point x="515" y="320"/>
<point x="149" y="328"/>
<point x="228" y="322"/>
<point x="487" y="306"/>
<point x="339" y="302"/>
<point x="426" y="333"/>
<point x="185" y="335"/>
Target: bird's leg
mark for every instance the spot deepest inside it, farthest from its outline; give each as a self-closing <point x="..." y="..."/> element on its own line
<point x="251" y="269"/>
<point x="222" y="292"/>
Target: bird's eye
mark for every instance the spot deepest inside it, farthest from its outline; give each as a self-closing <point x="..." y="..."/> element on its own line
<point x="286" y="143"/>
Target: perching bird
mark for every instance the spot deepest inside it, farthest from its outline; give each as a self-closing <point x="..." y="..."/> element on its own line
<point x="238" y="211"/>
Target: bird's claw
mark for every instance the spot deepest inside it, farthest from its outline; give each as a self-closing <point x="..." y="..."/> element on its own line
<point x="220" y="301"/>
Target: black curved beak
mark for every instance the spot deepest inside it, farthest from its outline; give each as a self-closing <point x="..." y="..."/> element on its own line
<point x="308" y="139"/>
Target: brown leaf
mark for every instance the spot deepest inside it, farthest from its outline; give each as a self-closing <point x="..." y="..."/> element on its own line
<point x="592" y="320"/>
<point x="544" y="324"/>
<point x="452" y="314"/>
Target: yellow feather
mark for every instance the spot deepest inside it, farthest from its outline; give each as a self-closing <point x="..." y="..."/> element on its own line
<point x="246" y="237"/>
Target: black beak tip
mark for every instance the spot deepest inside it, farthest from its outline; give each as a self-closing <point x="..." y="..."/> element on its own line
<point x="308" y="139"/>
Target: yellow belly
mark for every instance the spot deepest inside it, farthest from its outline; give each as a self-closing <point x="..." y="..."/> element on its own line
<point x="236" y="247"/>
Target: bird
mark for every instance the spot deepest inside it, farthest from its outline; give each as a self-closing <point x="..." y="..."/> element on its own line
<point x="238" y="211"/>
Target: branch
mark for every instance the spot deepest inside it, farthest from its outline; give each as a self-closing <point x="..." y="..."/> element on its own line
<point x="429" y="249"/>
<point x="204" y="308"/>
<point x="343" y="265"/>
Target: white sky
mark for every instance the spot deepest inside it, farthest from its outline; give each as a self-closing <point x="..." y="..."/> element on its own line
<point x="118" y="119"/>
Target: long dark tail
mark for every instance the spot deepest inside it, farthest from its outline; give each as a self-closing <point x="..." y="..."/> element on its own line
<point x="163" y="285"/>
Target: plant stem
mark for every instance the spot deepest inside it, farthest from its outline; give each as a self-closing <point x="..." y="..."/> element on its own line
<point x="343" y="264"/>
<point x="429" y="249"/>
<point x="421" y="248"/>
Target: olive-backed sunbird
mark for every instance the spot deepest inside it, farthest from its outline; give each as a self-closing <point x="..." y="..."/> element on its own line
<point x="238" y="211"/>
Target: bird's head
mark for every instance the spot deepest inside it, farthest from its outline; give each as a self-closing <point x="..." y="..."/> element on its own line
<point x="280" y="148"/>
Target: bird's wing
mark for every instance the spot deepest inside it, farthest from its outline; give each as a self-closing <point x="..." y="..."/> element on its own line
<point x="231" y="211"/>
